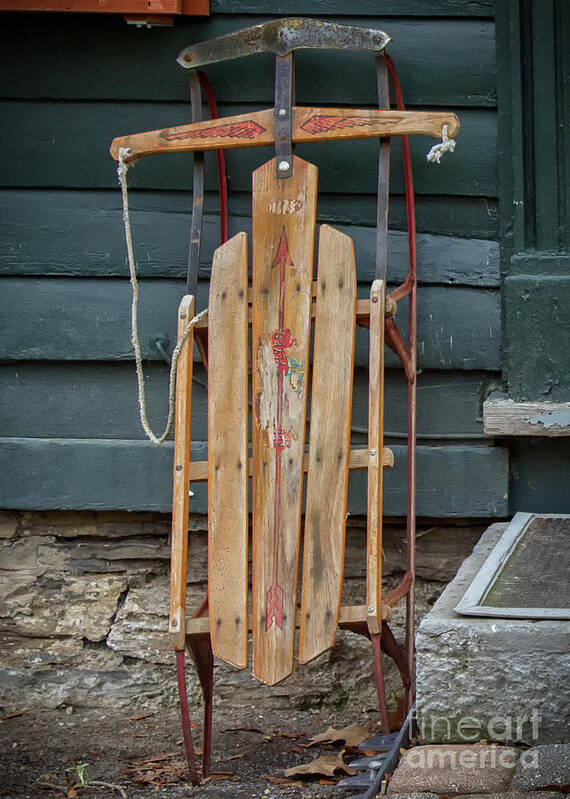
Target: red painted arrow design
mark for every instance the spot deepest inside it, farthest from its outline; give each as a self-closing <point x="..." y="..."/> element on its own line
<point x="236" y="130"/>
<point x="275" y="595"/>
<point x="322" y="124"/>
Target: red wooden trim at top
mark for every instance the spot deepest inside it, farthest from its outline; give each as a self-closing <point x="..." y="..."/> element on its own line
<point x="142" y="7"/>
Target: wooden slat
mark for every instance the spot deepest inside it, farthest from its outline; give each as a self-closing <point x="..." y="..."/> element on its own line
<point x="329" y="443"/>
<point x="182" y="432"/>
<point x="228" y="452"/>
<point x="284" y="213"/>
<point x="256" y="129"/>
<point x="375" y="444"/>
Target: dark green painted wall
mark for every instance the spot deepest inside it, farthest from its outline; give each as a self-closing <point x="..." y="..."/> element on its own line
<point x="69" y="84"/>
<point x="534" y="158"/>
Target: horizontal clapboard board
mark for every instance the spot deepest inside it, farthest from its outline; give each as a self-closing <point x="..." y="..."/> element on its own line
<point x="89" y="319"/>
<point x="57" y="245"/>
<point x="99" y="400"/>
<point x="90" y="475"/>
<point x="442" y="62"/>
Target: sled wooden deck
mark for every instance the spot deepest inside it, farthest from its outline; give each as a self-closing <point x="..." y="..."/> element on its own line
<point x="284" y="308"/>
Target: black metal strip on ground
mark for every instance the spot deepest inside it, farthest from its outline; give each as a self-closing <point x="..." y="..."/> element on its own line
<point x="378" y="765"/>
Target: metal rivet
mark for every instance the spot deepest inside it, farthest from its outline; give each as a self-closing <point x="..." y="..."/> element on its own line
<point x="178" y="467"/>
<point x="282" y="112"/>
<point x="174" y="622"/>
<point x="189" y="57"/>
<point x="373" y="452"/>
<point x="371" y="608"/>
<point x="183" y="316"/>
<point x="374" y="299"/>
<point x="283" y="166"/>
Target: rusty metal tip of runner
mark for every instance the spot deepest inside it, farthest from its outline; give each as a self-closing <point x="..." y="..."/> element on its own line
<point x="282" y="36"/>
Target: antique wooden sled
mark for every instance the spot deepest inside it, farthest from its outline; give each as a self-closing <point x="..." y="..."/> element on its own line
<point x="286" y="302"/>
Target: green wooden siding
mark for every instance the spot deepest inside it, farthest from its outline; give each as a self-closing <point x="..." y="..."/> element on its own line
<point x="534" y="145"/>
<point x="535" y="196"/>
<point x="68" y="407"/>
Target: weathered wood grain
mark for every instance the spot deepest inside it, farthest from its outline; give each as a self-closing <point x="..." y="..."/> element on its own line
<point x="505" y="417"/>
<point x="88" y="319"/>
<point x="46" y="145"/>
<point x="357" y="459"/>
<point x="440" y="60"/>
<point x="309" y="124"/>
<point x="228" y="452"/>
<point x="89" y="474"/>
<point x="329" y="443"/>
<point x="181" y="467"/>
<point x="348" y="614"/>
<point x="374" y="500"/>
<point x="57" y="245"/>
<point x="284" y="214"/>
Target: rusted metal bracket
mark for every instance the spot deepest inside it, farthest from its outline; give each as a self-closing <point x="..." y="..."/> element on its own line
<point x="282" y="36"/>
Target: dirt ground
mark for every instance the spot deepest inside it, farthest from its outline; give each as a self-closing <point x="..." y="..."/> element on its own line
<point x="43" y="749"/>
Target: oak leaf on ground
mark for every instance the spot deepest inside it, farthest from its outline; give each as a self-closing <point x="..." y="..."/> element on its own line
<point x="353" y="735"/>
<point x="324" y="766"/>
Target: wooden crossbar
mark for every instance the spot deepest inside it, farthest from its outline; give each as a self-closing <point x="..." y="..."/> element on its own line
<point x="358" y="460"/>
<point x="362" y="310"/>
<point x="256" y="129"/>
<point x="349" y="614"/>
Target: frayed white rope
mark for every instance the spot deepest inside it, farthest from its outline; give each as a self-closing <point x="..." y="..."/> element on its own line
<point x="446" y="145"/>
<point x="122" y="168"/>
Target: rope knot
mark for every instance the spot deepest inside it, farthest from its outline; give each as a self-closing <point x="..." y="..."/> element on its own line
<point x="446" y="145"/>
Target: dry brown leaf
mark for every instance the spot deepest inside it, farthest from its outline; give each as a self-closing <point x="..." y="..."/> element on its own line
<point x="292" y="735"/>
<point x="166" y="768"/>
<point x="324" y="766"/>
<point x="352" y="735"/>
<point x="327" y="782"/>
<point x="298" y="749"/>
<point x="232" y="757"/>
<point x="144" y="716"/>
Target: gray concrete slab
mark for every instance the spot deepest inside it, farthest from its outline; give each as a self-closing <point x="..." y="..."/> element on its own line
<point x="455" y="769"/>
<point x="479" y="678"/>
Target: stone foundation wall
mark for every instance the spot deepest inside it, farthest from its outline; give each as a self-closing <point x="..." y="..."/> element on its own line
<point x="84" y="607"/>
